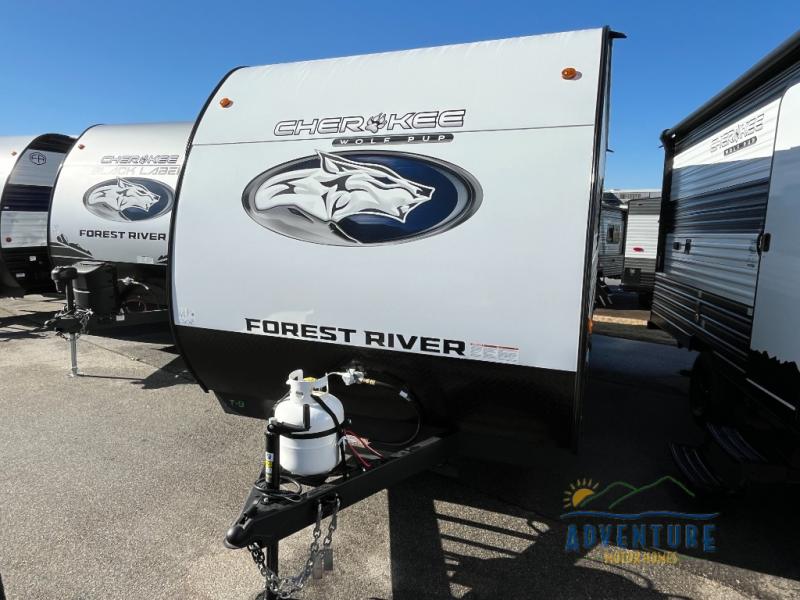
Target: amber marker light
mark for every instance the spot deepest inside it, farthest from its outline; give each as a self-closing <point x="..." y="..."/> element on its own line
<point x="569" y="73"/>
<point x="226" y="102"/>
<point x="81" y="146"/>
<point x="13" y="153"/>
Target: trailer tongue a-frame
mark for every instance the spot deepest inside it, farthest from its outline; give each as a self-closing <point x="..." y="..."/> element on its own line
<point x="28" y="169"/>
<point x="270" y="513"/>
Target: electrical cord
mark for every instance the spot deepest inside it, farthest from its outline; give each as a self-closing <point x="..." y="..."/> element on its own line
<point x="357" y="455"/>
<point x="406" y="395"/>
<point x="364" y="443"/>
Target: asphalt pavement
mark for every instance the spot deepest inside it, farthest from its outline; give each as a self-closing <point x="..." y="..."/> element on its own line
<point x="121" y="484"/>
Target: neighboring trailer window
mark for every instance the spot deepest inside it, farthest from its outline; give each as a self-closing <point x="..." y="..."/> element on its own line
<point x="613" y="234"/>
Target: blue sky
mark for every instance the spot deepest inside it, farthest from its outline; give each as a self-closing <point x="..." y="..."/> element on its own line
<point x="66" y="65"/>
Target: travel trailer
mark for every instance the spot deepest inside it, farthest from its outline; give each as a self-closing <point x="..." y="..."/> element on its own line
<point x="729" y="255"/>
<point x="394" y="234"/>
<point x="394" y="239"/>
<point x="28" y="168"/>
<point x="612" y="239"/>
<point x="110" y="218"/>
<point x="641" y="246"/>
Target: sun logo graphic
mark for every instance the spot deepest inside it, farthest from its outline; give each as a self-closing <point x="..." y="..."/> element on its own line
<point x="578" y="492"/>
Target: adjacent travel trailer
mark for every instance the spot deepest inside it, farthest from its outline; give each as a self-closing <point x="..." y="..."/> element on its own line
<point x="28" y="168"/>
<point x="612" y="239"/>
<point x="110" y="218"/>
<point x="727" y="280"/>
<point x="405" y="228"/>
<point x="641" y="245"/>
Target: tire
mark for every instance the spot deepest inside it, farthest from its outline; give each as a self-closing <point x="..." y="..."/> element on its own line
<point x="138" y="298"/>
<point x="710" y="394"/>
<point x="645" y="300"/>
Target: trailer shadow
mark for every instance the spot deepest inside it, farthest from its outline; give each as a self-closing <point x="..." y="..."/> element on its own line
<point x="171" y="374"/>
<point x="637" y="404"/>
<point x="19" y="327"/>
<point x="445" y="539"/>
<point x="151" y="333"/>
<point x="152" y="344"/>
<point x="463" y="537"/>
<point x="167" y="376"/>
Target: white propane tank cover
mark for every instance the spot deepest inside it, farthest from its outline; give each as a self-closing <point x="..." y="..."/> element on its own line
<point x="303" y="386"/>
<point x="297" y="386"/>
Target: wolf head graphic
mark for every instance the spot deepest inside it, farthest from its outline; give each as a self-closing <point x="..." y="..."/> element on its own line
<point x="341" y="188"/>
<point x="121" y="195"/>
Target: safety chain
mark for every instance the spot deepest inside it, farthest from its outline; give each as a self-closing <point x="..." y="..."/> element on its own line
<point x="83" y="315"/>
<point x="284" y="587"/>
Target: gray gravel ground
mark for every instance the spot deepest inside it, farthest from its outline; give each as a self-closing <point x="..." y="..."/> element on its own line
<point x="121" y="484"/>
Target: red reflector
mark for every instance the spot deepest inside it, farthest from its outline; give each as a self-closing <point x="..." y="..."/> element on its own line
<point x="637" y="249"/>
<point x="8" y="240"/>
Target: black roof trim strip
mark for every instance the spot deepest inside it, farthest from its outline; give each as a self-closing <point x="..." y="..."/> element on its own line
<point x="785" y="55"/>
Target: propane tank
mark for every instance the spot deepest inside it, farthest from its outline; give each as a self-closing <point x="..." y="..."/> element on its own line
<point x="300" y="454"/>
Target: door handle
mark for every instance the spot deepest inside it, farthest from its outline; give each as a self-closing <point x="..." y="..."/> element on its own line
<point x="763" y="242"/>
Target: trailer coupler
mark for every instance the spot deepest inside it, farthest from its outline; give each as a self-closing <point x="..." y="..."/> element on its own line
<point x="266" y="519"/>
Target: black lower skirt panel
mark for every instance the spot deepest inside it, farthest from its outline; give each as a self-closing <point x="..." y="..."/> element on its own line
<point x="30" y="268"/>
<point x="248" y="374"/>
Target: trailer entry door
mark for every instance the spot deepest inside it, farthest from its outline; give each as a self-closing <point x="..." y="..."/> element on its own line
<point x="775" y="342"/>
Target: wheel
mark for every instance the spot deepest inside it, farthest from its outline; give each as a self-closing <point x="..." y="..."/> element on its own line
<point x="140" y="298"/>
<point x="710" y="394"/>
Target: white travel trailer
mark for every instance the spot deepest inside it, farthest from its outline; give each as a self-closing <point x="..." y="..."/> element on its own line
<point x="641" y="245"/>
<point x="405" y="227"/>
<point x="392" y="217"/>
<point x="110" y="217"/>
<point x="612" y="240"/>
<point x="727" y="280"/>
<point x="28" y="168"/>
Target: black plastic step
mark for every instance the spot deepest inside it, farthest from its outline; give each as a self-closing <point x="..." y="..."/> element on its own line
<point x="602" y="294"/>
<point x="694" y="468"/>
<point x="734" y="444"/>
<point x="733" y="458"/>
